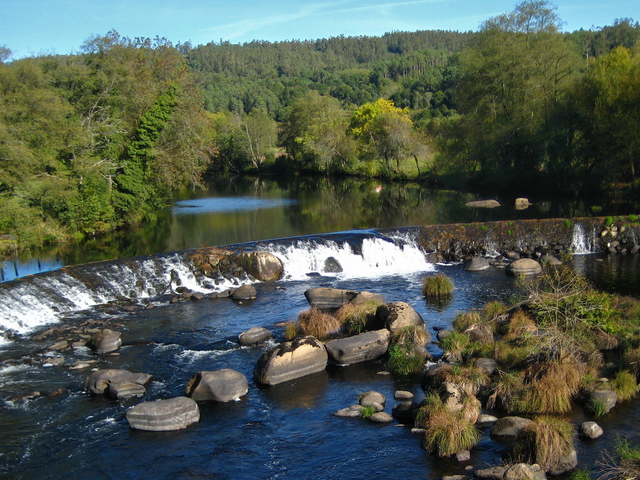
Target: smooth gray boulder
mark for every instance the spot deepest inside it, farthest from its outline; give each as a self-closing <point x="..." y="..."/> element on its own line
<point x="372" y="398"/>
<point x="397" y="315"/>
<point x="477" y="264"/>
<point x="524" y="471"/>
<point x="332" y="265"/>
<point x="365" y="297"/>
<point x="591" y="430"/>
<point x="405" y="411"/>
<point x="224" y="385"/>
<point x="105" y="341"/>
<point x="97" y="382"/>
<point x="245" y="292"/>
<point x="118" y="391"/>
<point x="381" y="417"/>
<point x="359" y="348"/>
<point x="326" y="298"/>
<point x="349" y="412"/>
<point x="254" y="336"/>
<point x="483" y="204"/>
<point x="524" y="267"/>
<point x="290" y="360"/>
<point x="164" y="415"/>
<point x="509" y="426"/>
<point x="605" y="397"/>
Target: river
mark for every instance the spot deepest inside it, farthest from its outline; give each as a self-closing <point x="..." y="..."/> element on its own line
<point x="286" y="431"/>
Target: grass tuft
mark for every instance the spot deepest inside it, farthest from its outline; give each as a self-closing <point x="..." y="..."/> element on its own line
<point x="291" y="331"/>
<point x="437" y="286"/>
<point x="625" y="385"/>
<point x="317" y="323"/>
<point x="356" y="319"/>
<point x="546" y="442"/>
<point x="407" y="352"/>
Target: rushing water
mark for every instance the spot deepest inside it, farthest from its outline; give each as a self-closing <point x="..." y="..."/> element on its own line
<point x="285" y="431"/>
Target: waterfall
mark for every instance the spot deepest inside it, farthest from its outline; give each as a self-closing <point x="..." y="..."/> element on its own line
<point x="31" y="302"/>
<point x="373" y="257"/>
<point x="580" y="245"/>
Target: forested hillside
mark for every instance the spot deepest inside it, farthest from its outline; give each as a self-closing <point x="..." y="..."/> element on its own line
<point x="97" y="140"/>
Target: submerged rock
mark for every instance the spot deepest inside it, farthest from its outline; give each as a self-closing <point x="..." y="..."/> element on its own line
<point x="254" y="336"/>
<point x="164" y="415"/>
<point x="98" y="381"/>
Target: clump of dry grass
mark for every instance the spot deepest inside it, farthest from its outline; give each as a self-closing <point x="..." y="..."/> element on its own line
<point x="518" y="325"/>
<point x="357" y="318"/>
<point x="446" y="432"/>
<point x="317" y="323"/>
<point x="546" y="441"/>
<point x="625" y="465"/>
<point x="291" y="331"/>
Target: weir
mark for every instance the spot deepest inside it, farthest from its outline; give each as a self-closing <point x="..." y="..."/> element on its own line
<point x="36" y="300"/>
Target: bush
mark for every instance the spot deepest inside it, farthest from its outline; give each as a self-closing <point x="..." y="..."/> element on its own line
<point x="318" y="324"/>
<point x="437" y="286"/>
<point x="447" y="433"/>
<point x="407" y="352"/>
<point x="625" y="385"/>
<point x="546" y="441"/>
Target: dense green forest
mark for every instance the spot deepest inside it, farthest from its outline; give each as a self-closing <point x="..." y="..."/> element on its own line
<point x="97" y="140"/>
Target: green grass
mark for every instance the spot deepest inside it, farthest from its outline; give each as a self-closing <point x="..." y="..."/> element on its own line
<point x="625" y="385"/>
<point x="366" y="412"/>
<point x="405" y="360"/>
<point x="356" y="319"/>
<point x="437" y="286"/>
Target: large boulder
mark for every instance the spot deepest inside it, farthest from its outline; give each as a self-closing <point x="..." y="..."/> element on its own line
<point x="605" y="398"/>
<point x="365" y="297"/>
<point x="509" y="426"/>
<point x="290" y="360"/>
<point x="164" y="415"/>
<point x="326" y="298"/>
<point x="98" y="381"/>
<point x="245" y="292"/>
<point x="397" y="315"/>
<point x="263" y="266"/>
<point x="524" y="267"/>
<point x="105" y="341"/>
<point x="477" y="264"/>
<point x="220" y="386"/>
<point x="359" y="348"/>
<point x="254" y="336"/>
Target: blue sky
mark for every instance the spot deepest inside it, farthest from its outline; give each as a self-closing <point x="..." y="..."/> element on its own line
<point x="32" y="27"/>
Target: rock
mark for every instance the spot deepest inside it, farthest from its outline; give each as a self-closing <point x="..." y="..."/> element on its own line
<point x="331" y="265"/>
<point x="349" y="412"/>
<point x="524" y="471"/>
<point x="402" y="395"/>
<point x="397" y="315"/>
<point x="223" y="385"/>
<point x="483" y="204"/>
<point x="486" y="419"/>
<point x="164" y="415"/>
<point x="59" y="345"/>
<point x="487" y="365"/>
<point x="463" y="456"/>
<point x="290" y="360"/>
<point x="550" y="260"/>
<point x="98" y="381"/>
<point x="434" y="375"/>
<point x="435" y="257"/>
<point x="480" y="332"/>
<point x="118" y="391"/>
<point x="477" y="264"/>
<point x="605" y="341"/>
<point x="263" y="266"/>
<point x="405" y="411"/>
<point x="105" y="341"/>
<point x="359" y="348"/>
<point x="591" y="430"/>
<point x="524" y="267"/>
<point x="522" y="203"/>
<point x="511" y="255"/>
<point x="254" y="336"/>
<point x="245" y="292"/>
<point x="492" y="473"/>
<point x="509" y="426"/>
<point x="326" y="298"/>
<point x="368" y="399"/>
<point x="364" y="297"/>
<point x="442" y="334"/>
<point x="456" y="477"/>
<point x="381" y="417"/>
<point x="196" y="296"/>
<point x="605" y="397"/>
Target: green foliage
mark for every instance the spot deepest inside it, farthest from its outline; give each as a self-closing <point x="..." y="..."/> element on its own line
<point x="405" y="360"/>
<point x="438" y="285"/>
<point x="356" y="319"/>
<point x="367" y="411"/>
<point x="580" y="474"/>
<point x="625" y="385"/>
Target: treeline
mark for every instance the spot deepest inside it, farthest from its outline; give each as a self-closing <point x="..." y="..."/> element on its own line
<point x="97" y="140"/>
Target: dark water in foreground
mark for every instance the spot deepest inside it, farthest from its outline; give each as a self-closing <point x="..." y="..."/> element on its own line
<point x="286" y="431"/>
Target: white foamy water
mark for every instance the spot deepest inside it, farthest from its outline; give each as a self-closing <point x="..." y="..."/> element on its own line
<point x="375" y="257"/>
<point x="580" y="243"/>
